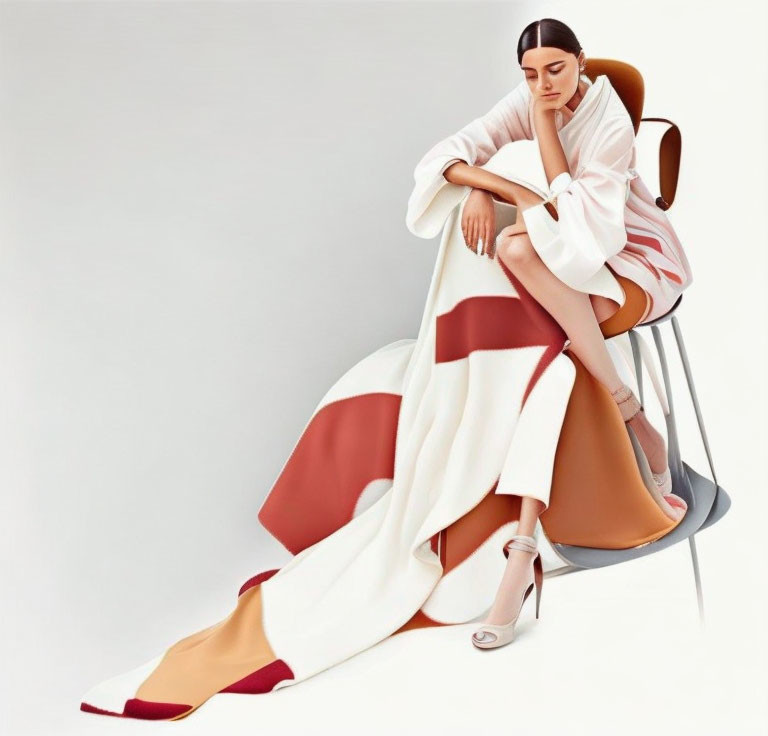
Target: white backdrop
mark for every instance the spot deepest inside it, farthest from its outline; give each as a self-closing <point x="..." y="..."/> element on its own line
<point x="202" y="227"/>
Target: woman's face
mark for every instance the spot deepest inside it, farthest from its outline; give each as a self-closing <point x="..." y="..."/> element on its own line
<point x="552" y="73"/>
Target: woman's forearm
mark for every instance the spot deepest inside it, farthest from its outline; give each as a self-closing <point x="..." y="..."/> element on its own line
<point x="508" y="191"/>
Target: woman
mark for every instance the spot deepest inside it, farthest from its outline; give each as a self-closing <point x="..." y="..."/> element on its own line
<point x="424" y="458"/>
<point x="598" y="211"/>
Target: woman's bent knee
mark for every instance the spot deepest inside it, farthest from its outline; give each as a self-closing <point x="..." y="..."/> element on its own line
<point x="517" y="250"/>
<point x="603" y="307"/>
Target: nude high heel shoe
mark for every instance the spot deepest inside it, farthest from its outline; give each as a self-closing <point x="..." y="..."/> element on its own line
<point x="660" y="484"/>
<point x="490" y="636"/>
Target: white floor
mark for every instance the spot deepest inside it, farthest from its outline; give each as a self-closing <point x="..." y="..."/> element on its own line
<point x="616" y="650"/>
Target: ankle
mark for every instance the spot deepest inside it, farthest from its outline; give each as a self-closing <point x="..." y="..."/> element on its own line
<point x="521" y="542"/>
<point x="628" y="403"/>
<point x="621" y="393"/>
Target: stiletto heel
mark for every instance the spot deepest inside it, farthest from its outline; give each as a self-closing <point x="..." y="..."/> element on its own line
<point x="538" y="578"/>
<point x="490" y="636"/>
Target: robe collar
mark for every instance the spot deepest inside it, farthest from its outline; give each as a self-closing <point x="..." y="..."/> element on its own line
<point x="588" y="102"/>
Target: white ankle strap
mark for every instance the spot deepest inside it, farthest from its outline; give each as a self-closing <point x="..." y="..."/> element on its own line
<point x="646" y="358"/>
<point x="522" y="542"/>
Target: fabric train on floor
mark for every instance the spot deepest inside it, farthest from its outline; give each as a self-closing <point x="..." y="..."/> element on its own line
<point x="406" y="482"/>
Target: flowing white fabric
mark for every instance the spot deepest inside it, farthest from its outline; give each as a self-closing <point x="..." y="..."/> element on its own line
<point x="463" y="425"/>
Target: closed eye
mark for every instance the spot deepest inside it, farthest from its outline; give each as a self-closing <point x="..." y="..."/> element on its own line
<point x="551" y="71"/>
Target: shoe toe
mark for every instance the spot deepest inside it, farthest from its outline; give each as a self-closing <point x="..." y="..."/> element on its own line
<point x="484" y="636"/>
<point x="676" y="501"/>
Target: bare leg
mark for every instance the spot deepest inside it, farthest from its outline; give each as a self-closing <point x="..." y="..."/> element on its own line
<point x="511" y="587"/>
<point x="575" y="313"/>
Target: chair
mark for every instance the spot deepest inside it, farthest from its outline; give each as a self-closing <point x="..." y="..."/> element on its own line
<point x="707" y="501"/>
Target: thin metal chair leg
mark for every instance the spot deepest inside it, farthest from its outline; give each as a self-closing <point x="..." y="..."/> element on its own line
<point x="697" y="576"/>
<point x="692" y="389"/>
<point x="676" y="457"/>
<point x="700" y="419"/>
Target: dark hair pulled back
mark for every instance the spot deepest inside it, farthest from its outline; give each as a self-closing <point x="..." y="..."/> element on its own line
<point x="553" y="33"/>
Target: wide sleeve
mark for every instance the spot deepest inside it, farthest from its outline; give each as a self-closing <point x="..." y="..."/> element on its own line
<point x="590" y="227"/>
<point x="433" y="196"/>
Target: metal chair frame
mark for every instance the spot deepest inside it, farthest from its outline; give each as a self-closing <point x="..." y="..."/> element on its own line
<point x="706" y="499"/>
